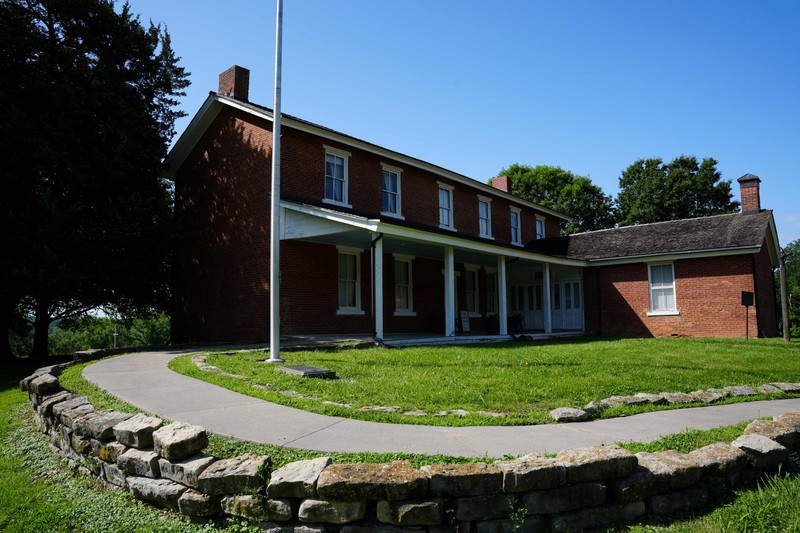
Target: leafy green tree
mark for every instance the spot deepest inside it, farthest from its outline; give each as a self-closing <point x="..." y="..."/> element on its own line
<point x="792" y="286"/>
<point x="89" y="104"/>
<point x="654" y="191"/>
<point x="565" y="192"/>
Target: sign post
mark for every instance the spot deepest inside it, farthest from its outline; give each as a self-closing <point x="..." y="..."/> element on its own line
<point x="747" y="301"/>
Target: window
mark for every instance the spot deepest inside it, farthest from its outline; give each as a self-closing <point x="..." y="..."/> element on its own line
<point x="485" y="216"/>
<point x="662" y="289"/>
<point x="540" y="234"/>
<point x="336" y="176"/>
<point x="403" y="290"/>
<point x="472" y="302"/>
<point x="349" y="282"/>
<point x="446" y="206"/>
<point x="516" y="236"/>
<point x="491" y="292"/>
<point x="390" y="180"/>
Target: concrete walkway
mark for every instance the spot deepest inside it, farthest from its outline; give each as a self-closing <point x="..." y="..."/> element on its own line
<point x="144" y="380"/>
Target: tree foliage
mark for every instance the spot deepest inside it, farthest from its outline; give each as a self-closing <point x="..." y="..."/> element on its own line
<point x="565" y="192"/>
<point x="654" y="191"/>
<point x="792" y="286"/>
<point x="89" y="99"/>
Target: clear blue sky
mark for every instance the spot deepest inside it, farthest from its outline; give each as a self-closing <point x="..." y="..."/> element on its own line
<point x="474" y="86"/>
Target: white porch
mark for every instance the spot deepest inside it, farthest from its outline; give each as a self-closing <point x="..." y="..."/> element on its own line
<point x="522" y="292"/>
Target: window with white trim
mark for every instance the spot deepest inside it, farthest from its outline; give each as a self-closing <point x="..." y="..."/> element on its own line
<point x="485" y="216"/>
<point x="516" y="231"/>
<point x="446" y="206"/>
<point x="471" y="285"/>
<point x="349" y="282"/>
<point x="661" y="279"/>
<point x="540" y="233"/>
<point x="403" y="286"/>
<point x="390" y="184"/>
<point x="491" y="292"/>
<point x="336" y="162"/>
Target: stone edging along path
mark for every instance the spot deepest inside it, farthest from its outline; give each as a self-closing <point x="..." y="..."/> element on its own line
<point x="561" y="414"/>
<point x="579" y="488"/>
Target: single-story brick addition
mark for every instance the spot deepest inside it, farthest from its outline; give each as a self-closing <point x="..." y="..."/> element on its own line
<point x="378" y="243"/>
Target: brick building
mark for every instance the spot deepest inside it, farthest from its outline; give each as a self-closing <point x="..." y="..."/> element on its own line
<point x="375" y="242"/>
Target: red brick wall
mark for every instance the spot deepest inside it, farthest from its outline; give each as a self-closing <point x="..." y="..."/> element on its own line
<point x="221" y="256"/>
<point x="303" y="176"/>
<point x="708" y="297"/>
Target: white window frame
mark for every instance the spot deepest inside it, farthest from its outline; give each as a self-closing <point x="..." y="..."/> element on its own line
<point x="409" y="260"/>
<point x="651" y="288"/>
<point x="518" y="240"/>
<point x="492" y="302"/>
<point x="470" y="271"/>
<point x="398" y="172"/>
<point x="450" y="210"/>
<point x="345" y="155"/>
<point x="540" y="220"/>
<point x="357" y="310"/>
<point x="488" y="201"/>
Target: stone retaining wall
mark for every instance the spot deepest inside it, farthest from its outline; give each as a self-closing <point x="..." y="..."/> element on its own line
<point x="579" y="488"/>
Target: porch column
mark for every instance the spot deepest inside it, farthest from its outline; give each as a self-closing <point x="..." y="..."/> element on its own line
<point x="548" y="318"/>
<point x="377" y="280"/>
<point x="449" y="292"/>
<point x="502" y="303"/>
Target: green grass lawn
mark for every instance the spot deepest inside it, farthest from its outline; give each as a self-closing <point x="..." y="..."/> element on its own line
<point x="39" y="492"/>
<point x="523" y="379"/>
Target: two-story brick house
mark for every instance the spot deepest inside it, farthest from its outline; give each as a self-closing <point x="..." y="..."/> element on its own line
<point x="374" y="242"/>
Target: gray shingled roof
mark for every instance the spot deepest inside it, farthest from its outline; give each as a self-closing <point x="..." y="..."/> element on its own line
<point x="675" y="236"/>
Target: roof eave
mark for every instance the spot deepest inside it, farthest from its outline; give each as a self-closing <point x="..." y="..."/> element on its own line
<point x="671" y="256"/>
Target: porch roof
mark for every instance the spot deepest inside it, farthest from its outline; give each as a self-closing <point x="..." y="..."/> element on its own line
<point x="321" y="224"/>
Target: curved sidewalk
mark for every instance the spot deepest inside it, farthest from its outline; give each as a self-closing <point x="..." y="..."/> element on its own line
<point x="144" y="380"/>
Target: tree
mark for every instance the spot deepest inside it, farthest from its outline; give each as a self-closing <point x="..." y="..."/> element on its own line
<point x="89" y="99"/>
<point x="792" y="286"/>
<point x="652" y="191"/>
<point x="565" y="192"/>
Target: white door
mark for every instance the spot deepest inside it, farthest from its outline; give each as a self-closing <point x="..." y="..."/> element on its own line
<point x="572" y="309"/>
<point x="534" y="311"/>
<point x="556" y="313"/>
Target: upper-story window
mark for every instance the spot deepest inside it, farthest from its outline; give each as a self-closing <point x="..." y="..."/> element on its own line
<point x="662" y="289"/>
<point x="516" y="227"/>
<point x="540" y="234"/>
<point x="485" y="216"/>
<point x="336" y="176"/>
<point x="446" y="206"/>
<point x="390" y="182"/>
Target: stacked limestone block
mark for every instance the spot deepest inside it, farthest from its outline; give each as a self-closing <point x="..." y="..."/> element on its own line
<point x="578" y="489"/>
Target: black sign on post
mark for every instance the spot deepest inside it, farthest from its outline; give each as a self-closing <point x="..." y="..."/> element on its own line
<point x="747" y="301"/>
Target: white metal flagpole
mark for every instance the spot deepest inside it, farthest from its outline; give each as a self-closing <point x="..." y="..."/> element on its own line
<point x="275" y="206"/>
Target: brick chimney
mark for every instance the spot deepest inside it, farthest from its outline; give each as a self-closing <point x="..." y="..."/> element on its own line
<point x="235" y="82"/>
<point x="502" y="183"/>
<point x="749" y="189"/>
